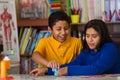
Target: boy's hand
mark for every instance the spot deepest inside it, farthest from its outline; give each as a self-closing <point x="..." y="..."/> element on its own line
<point x="38" y="71"/>
<point x="53" y="64"/>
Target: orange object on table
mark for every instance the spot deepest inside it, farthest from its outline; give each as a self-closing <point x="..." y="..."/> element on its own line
<point x="3" y="69"/>
<point x="4" y="65"/>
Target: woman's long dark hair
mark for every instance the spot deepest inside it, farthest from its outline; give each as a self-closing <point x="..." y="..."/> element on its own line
<point x="102" y="30"/>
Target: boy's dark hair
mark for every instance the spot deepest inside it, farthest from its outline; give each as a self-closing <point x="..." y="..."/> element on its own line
<point x="57" y="16"/>
<point x="101" y="28"/>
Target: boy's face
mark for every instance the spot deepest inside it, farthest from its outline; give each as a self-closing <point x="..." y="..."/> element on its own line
<point x="60" y="31"/>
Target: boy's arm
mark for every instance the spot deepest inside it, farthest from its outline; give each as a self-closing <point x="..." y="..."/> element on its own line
<point x="38" y="71"/>
<point x="36" y="57"/>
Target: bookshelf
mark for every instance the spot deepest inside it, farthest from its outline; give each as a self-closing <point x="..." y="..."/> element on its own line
<point x="43" y="23"/>
<point x="39" y="24"/>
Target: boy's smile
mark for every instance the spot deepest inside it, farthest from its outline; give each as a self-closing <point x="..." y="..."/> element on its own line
<point x="60" y="30"/>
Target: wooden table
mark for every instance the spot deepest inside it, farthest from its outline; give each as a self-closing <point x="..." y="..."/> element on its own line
<point x="98" y="77"/>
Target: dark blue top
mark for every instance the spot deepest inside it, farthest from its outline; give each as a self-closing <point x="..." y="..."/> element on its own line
<point x="104" y="61"/>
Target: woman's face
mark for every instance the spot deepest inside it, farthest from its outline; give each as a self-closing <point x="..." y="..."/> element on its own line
<point x="92" y="38"/>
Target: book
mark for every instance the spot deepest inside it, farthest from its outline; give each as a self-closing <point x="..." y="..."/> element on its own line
<point x="107" y="10"/>
<point x="84" y="13"/>
<point x="54" y="1"/>
<point x="31" y="38"/>
<point x="22" y="66"/>
<point x="58" y="4"/>
<point x="28" y="43"/>
<point x="66" y="6"/>
<point x="40" y="35"/>
<point x="23" y="47"/>
<point x="112" y="10"/>
<point x="97" y="9"/>
<point x="91" y="9"/>
<point x="117" y="10"/>
<point x="33" y="43"/>
<point x="47" y="34"/>
<point x="55" y="5"/>
<point x="20" y="34"/>
<point x="23" y="37"/>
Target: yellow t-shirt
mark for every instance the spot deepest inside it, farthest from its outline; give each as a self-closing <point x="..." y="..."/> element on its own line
<point x="63" y="53"/>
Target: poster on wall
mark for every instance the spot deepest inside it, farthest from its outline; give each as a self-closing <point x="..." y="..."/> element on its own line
<point x="30" y="9"/>
<point x="8" y="29"/>
<point x="33" y="9"/>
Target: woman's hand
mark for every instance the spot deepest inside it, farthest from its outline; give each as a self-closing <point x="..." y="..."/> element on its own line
<point x="53" y="64"/>
<point x="62" y="71"/>
<point x="38" y="71"/>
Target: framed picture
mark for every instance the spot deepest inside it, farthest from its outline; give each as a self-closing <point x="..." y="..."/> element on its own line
<point x="32" y="9"/>
<point x="8" y="29"/>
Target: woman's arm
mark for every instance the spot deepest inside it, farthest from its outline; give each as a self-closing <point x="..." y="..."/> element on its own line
<point x="108" y="57"/>
<point x="77" y="61"/>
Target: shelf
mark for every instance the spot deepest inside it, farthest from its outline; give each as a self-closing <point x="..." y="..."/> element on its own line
<point x="32" y="22"/>
<point x="108" y="23"/>
<point x="116" y="40"/>
<point x="25" y="55"/>
<point x="44" y="22"/>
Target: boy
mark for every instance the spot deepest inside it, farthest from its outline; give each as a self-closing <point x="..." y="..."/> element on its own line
<point x="60" y="48"/>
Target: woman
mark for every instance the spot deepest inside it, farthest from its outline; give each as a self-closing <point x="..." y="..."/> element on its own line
<point x="99" y="55"/>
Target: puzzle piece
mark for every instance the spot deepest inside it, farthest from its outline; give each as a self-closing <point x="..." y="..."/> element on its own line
<point x="55" y="72"/>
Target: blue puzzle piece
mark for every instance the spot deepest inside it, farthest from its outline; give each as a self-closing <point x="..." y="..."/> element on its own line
<point x="53" y="69"/>
<point x="55" y="72"/>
